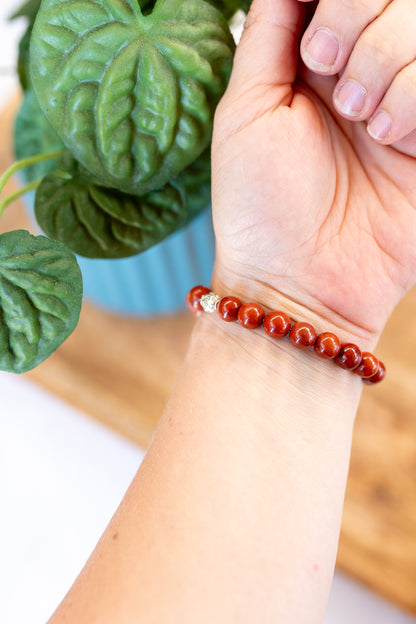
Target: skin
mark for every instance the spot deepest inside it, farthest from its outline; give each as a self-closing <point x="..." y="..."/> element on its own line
<point x="333" y="227"/>
<point x="234" y="515"/>
<point x="376" y="49"/>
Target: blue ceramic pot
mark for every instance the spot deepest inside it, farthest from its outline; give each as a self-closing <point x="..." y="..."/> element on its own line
<point x="156" y="281"/>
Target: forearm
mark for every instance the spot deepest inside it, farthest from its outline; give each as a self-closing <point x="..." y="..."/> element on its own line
<point x="235" y="512"/>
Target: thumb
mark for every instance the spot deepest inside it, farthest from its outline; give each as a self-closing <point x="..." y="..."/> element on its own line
<point x="268" y="52"/>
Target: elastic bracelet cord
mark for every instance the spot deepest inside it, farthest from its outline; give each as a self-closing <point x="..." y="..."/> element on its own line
<point x="277" y="324"/>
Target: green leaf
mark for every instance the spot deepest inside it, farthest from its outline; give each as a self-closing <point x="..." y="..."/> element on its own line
<point x="132" y="96"/>
<point x="99" y="222"/>
<point x="29" y="9"/>
<point x="196" y="181"/>
<point x="40" y="298"/>
<point x="33" y="135"/>
<point x="245" y="5"/>
<point x="229" y="7"/>
<point x="23" y="59"/>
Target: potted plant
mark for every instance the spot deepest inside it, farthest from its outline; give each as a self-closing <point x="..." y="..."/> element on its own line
<point x="113" y="137"/>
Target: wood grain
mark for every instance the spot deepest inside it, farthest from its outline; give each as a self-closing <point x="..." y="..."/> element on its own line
<point x="378" y="538"/>
<point x="120" y="371"/>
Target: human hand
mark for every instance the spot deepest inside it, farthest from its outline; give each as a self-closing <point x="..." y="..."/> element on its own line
<point x="374" y="46"/>
<point x="309" y="209"/>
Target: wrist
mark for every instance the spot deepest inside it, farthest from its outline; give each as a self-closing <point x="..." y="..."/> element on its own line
<point x="310" y="372"/>
<point x="298" y="308"/>
<point x="273" y="373"/>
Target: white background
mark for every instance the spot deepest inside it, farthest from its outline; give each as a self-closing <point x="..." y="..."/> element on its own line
<point x="63" y="475"/>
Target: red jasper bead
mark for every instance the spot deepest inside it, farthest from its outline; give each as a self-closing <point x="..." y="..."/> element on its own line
<point x="302" y="335"/>
<point x="349" y="357"/>
<point x="379" y="376"/>
<point x="276" y="324"/>
<point x="193" y="299"/>
<point x="251" y="315"/>
<point x="327" y="346"/>
<point x="228" y="308"/>
<point x="368" y="366"/>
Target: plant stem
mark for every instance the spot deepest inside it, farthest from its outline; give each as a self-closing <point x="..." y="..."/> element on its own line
<point x="10" y="198"/>
<point x="21" y="164"/>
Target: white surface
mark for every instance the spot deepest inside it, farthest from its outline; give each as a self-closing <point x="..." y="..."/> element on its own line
<point x="62" y="477"/>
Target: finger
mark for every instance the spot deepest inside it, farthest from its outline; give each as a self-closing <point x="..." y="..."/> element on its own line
<point x="407" y="145"/>
<point x="395" y="117"/>
<point x="330" y="37"/>
<point x="385" y="47"/>
<point x="322" y="86"/>
<point x="267" y="53"/>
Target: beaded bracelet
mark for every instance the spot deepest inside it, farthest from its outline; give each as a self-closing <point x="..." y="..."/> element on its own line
<point x="278" y="325"/>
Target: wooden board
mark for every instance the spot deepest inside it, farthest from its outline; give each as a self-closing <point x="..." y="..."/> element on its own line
<point x="120" y="371"/>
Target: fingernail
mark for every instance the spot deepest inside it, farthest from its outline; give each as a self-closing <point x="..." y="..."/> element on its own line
<point x="350" y="99"/>
<point x="322" y="50"/>
<point x="379" y="126"/>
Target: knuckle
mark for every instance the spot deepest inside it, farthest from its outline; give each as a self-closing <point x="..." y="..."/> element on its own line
<point x="383" y="50"/>
<point x="407" y="80"/>
<point x="253" y="17"/>
<point x="350" y="5"/>
<point x="360" y="7"/>
<point x="250" y="21"/>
